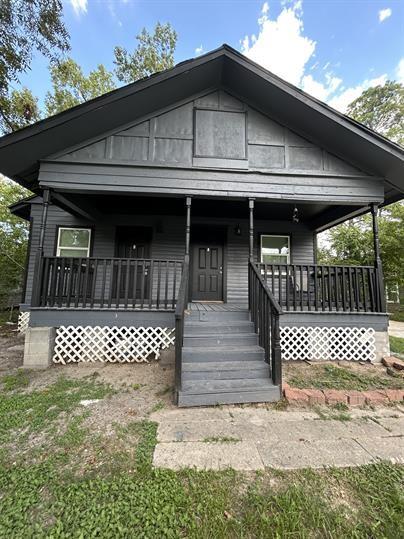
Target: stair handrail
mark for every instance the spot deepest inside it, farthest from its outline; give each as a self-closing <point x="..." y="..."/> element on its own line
<point x="182" y="303"/>
<point x="265" y="313"/>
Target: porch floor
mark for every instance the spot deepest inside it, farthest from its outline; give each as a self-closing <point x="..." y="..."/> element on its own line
<point x="216" y="306"/>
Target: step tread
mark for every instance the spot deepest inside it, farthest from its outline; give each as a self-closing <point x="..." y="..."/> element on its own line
<point x="198" y="387"/>
<point x="263" y="395"/>
<point x="227" y="348"/>
<point x="223" y="365"/>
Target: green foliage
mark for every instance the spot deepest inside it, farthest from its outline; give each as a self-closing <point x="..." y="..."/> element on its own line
<point x="71" y="87"/>
<point x="352" y="243"/>
<point x="15" y="381"/>
<point x="382" y="109"/>
<point x="397" y="345"/>
<point x="398" y="316"/>
<point x="334" y="377"/>
<point x="26" y="27"/>
<point x="13" y="241"/>
<point x="43" y="493"/>
<point x="18" y="109"/>
<point x="32" y="411"/>
<point x="154" y="52"/>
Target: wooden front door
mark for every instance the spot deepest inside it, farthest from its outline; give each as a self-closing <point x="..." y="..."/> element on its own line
<point x="133" y="242"/>
<point x="207" y="272"/>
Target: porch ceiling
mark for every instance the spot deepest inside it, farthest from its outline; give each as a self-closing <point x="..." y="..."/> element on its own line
<point x="105" y="207"/>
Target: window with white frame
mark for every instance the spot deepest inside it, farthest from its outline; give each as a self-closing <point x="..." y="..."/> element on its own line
<point x="73" y="242"/>
<point x="275" y="249"/>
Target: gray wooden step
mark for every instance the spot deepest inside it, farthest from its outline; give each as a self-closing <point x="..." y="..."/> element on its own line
<point x="214" y="316"/>
<point x="228" y="339"/>
<point x="224" y="370"/>
<point x="227" y="326"/>
<point x="223" y="353"/>
<point x="225" y="386"/>
<point x="228" y="392"/>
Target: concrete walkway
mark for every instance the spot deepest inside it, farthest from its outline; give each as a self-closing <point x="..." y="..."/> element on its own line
<point x="254" y="438"/>
<point x="396" y="329"/>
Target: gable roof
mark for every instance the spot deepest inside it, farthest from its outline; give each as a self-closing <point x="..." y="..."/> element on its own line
<point x="21" y="152"/>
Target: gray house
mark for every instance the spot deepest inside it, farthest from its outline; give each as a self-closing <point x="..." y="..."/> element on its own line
<point x="182" y="211"/>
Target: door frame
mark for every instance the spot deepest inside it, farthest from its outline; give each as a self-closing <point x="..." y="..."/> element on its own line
<point x="198" y="233"/>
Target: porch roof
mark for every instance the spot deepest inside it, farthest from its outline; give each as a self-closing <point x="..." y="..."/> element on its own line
<point x="21" y="152"/>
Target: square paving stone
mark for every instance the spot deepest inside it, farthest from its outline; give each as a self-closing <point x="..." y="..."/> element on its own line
<point x="388" y="448"/>
<point x="313" y="454"/>
<point x="207" y="456"/>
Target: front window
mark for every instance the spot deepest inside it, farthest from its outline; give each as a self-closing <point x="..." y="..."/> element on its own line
<point x="275" y="249"/>
<point x="73" y="242"/>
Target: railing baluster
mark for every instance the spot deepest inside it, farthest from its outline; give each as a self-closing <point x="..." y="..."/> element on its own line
<point x="85" y="285"/>
<point x="93" y="282"/>
<point x="113" y="282"/>
<point x="103" y="282"/>
<point x="167" y="263"/>
<point x="158" y="284"/>
<point x="118" y="284"/>
<point x="142" y="283"/>
<point x="135" y="277"/>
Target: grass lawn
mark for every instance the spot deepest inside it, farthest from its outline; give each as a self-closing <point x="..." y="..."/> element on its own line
<point x="60" y="477"/>
<point x="348" y="376"/>
<point x="396" y="345"/>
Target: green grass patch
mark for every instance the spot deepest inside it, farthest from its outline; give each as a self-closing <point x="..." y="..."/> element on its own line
<point x="94" y="485"/>
<point x="221" y="440"/>
<point x="18" y="380"/>
<point x="397" y="345"/>
<point x="337" y="377"/>
<point x="33" y="411"/>
<point x="398" y="316"/>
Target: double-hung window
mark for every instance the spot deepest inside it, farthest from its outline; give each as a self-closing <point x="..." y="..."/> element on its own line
<point x="73" y="242"/>
<point x="275" y="249"/>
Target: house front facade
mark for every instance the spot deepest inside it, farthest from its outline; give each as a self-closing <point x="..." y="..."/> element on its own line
<point x="181" y="212"/>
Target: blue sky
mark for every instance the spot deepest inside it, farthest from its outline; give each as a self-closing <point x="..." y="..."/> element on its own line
<point x="333" y="49"/>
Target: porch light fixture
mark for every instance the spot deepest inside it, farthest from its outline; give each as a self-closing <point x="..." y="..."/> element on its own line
<point x="295" y="216"/>
<point x="237" y="230"/>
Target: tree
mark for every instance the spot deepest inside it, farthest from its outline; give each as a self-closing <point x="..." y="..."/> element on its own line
<point x="13" y="240"/>
<point x="19" y="110"/>
<point x="26" y="26"/>
<point x="71" y="87"/>
<point x="382" y="109"/>
<point x="154" y="52"/>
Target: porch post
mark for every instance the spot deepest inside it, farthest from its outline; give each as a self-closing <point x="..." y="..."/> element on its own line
<point x="188" y="226"/>
<point x="378" y="262"/>
<point x="251" y="207"/>
<point x="36" y="290"/>
<point x="45" y="204"/>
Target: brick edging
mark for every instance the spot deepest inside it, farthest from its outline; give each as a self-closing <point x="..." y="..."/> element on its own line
<point x="334" y="396"/>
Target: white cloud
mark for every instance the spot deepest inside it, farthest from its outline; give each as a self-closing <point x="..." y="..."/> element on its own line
<point x="341" y="101"/>
<point x="319" y="89"/>
<point x="400" y="71"/>
<point x="280" y="45"/>
<point x="79" y="6"/>
<point x="384" y="14"/>
<point x="199" y="50"/>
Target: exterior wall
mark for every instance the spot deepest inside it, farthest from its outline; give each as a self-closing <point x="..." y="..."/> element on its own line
<point x="168" y="241"/>
<point x="211" y="145"/>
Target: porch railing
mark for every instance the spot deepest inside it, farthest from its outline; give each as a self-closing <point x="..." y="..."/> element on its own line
<point x="107" y="283"/>
<point x="298" y="287"/>
<point x="179" y="322"/>
<point x="265" y="313"/>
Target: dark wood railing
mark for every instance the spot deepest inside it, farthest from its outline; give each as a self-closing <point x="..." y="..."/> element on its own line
<point x="107" y="283"/>
<point x="265" y="313"/>
<point x="298" y="287"/>
<point x="182" y="303"/>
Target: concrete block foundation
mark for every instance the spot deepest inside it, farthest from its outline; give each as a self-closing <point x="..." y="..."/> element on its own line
<point x="38" y="349"/>
<point x="382" y="345"/>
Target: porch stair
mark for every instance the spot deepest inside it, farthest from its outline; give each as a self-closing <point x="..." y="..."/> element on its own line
<point x="222" y="362"/>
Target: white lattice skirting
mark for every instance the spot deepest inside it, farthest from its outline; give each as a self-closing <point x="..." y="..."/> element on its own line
<point x="112" y="344"/>
<point x="23" y="321"/>
<point x="328" y="343"/>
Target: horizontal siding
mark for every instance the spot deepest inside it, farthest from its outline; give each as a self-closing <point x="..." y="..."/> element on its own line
<point x="226" y="183"/>
<point x="168" y="242"/>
